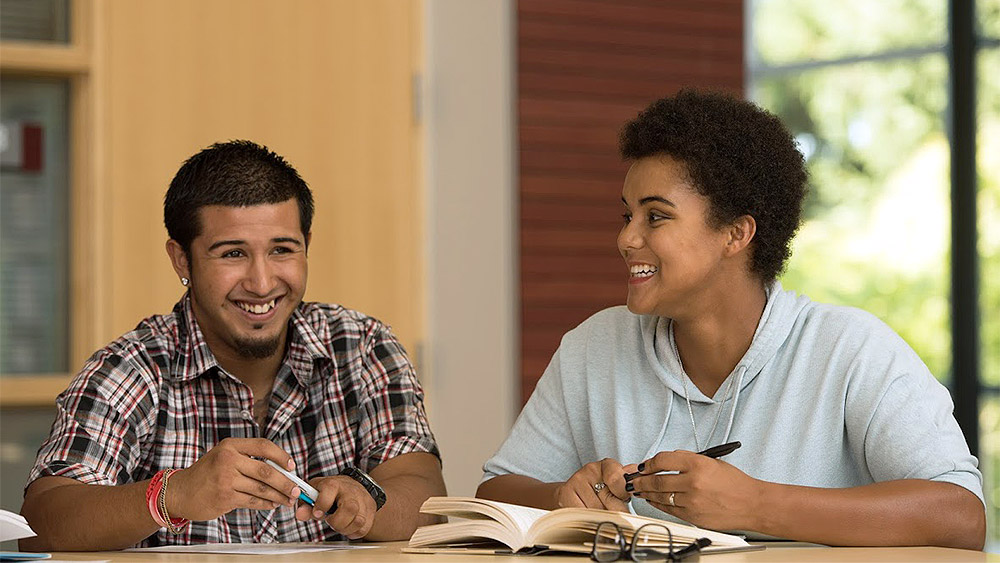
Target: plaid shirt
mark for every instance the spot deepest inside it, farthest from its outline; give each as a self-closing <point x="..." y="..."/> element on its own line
<point x="156" y="398"/>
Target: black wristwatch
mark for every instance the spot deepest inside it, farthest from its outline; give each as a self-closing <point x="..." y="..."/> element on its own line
<point x="368" y="483"/>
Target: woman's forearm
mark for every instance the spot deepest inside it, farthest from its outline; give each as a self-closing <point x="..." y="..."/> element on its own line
<point x="518" y="489"/>
<point x="904" y="512"/>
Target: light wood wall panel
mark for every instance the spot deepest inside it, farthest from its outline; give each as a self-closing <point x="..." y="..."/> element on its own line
<point x="584" y="68"/>
<point x="326" y="84"/>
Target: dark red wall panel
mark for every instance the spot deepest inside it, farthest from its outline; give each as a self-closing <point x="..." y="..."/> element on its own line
<point x="584" y="68"/>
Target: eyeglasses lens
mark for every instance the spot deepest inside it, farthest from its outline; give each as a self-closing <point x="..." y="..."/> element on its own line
<point x="651" y="541"/>
<point x="609" y="544"/>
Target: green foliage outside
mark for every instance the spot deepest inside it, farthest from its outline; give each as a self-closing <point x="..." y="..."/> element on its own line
<point x="988" y="204"/>
<point x="876" y="227"/>
<point x="989" y="211"/>
<point x="876" y="233"/>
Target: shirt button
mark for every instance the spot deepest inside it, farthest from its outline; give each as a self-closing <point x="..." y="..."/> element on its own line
<point x="246" y="415"/>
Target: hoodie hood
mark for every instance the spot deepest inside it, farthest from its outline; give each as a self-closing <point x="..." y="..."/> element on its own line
<point x="775" y="325"/>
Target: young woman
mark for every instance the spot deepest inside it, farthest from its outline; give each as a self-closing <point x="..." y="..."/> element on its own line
<point x="846" y="436"/>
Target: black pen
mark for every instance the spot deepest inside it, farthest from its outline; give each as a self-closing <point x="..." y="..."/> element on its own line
<point x="721" y="450"/>
<point x="713" y="452"/>
<point x="693" y="547"/>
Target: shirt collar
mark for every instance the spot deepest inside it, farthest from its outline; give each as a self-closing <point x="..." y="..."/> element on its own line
<point x="197" y="358"/>
<point x="304" y="345"/>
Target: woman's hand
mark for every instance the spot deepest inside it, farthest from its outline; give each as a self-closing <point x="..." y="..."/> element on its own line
<point x="706" y="492"/>
<point x="584" y="488"/>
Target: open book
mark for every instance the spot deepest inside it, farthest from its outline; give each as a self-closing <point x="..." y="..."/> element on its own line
<point x="483" y="524"/>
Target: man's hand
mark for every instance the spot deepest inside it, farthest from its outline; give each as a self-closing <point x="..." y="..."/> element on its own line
<point x="579" y="490"/>
<point x="227" y="478"/>
<point x="355" y="511"/>
<point x="706" y="492"/>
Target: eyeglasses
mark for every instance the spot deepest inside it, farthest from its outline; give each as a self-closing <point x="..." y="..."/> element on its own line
<point x="649" y="542"/>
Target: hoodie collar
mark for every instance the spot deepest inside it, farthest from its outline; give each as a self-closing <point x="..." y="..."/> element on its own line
<point x="773" y="329"/>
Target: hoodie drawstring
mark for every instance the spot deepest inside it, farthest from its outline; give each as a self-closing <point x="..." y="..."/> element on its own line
<point x="654" y="448"/>
<point x="736" y="398"/>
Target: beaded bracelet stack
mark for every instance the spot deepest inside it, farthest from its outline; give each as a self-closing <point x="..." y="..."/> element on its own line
<point x="156" y="500"/>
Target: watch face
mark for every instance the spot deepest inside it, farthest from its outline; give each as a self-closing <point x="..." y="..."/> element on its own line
<point x="368" y="483"/>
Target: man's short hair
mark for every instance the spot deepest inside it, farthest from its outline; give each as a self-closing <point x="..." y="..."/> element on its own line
<point x="233" y="174"/>
<point x="738" y="156"/>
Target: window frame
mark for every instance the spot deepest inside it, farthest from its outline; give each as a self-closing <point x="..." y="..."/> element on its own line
<point x="74" y="62"/>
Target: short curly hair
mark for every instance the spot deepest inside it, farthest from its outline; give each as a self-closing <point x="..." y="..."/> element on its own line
<point x="236" y="173"/>
<point x="737" y="155"/>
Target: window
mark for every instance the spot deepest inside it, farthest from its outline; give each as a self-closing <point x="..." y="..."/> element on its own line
<point x="43" y="85"/>
<point x="35" y="20"/>
<point x="34" y="219"/>
<point x="865" y="89"/>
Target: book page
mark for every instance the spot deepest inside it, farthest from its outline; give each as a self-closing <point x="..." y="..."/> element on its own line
<point x="511" y="516"/>
<point x="14" y="526"/>
<point x="565" y="529"/>
<point x="466" y="532"/>
<point x="480" y="518"/>
<point x="573" y="525"/>
<point x="523" y="516"/>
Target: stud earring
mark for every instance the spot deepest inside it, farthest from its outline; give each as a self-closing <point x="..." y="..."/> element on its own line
<point x="185" y="282"/>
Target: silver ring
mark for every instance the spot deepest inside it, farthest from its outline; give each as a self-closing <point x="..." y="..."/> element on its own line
<point x="598" y="487"/>
<point x="670" y="499"/>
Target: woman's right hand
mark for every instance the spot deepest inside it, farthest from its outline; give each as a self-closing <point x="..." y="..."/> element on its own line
<point x="579" y="490"/>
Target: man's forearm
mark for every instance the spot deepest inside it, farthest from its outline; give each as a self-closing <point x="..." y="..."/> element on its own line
<point x="78" y="517"/>
<point x="904" y="512"/>
<point x="401" y="515"/>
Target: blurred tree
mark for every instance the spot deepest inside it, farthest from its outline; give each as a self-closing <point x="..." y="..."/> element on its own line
<point x="863" y="86"/>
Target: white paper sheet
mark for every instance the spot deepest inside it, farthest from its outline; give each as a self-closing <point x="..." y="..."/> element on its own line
<point x="252" y="548"/>
<point x="14" y="526"/>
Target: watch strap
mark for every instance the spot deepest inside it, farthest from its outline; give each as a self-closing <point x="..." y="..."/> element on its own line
<point x="373" y="488"/>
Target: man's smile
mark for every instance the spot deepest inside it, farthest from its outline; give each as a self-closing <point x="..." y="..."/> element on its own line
<point x="258" y="311"/>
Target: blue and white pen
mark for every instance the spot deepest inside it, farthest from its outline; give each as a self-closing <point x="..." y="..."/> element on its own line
<point x="307" y="493"/>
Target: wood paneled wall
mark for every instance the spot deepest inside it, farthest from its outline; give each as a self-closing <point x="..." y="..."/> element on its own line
<point x="584" y="68"/>
<point x="328" y="85"/>
<point x="325" y="84"/>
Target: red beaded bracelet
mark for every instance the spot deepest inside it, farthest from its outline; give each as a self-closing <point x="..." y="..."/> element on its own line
<point x="156" y="501"/>
<point x="152" y="493"/>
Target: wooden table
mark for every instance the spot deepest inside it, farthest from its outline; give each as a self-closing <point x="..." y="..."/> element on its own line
<point x="390" y="551"/>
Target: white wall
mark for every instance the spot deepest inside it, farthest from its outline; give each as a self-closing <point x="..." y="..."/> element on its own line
<point x="469" y="361"/>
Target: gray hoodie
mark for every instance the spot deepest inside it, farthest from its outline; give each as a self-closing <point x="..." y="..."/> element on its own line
<point x="826" y="396"/>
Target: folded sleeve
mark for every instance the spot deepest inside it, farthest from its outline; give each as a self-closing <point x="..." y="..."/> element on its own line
<point x="903" y="418"/>
<point x="540" y="444"/>
<point x="394" y="421"/>
<point x="101" y="420"/>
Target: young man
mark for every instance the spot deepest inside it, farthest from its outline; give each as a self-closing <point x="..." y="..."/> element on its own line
<point x="162" y="437"/>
